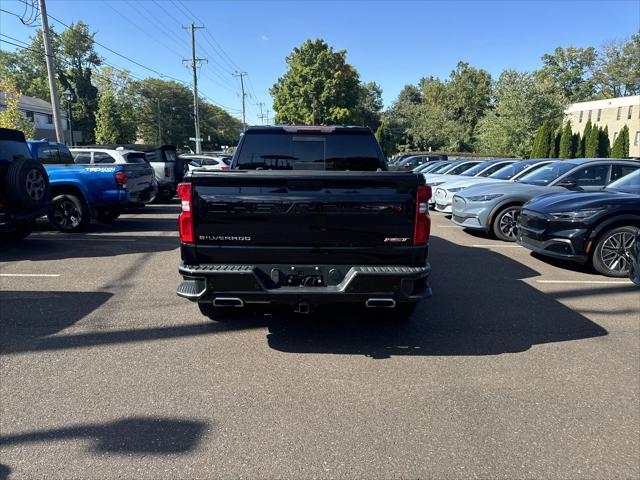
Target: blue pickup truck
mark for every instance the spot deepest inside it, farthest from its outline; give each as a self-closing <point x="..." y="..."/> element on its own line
<point x="96" y="184"/>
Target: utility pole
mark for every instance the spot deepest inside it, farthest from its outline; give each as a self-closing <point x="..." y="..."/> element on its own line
<point x="194" y="66"/>
<point x="267" y="116"/>
<point x="242" y="75"/>
<point x="55" y="101"/>
<point x="159" y="129"/>
<point x="261" y="116"/>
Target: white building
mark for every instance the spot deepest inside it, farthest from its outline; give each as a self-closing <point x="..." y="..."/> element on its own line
<point x="613" y="113"/>
<point x="41" y="114"/>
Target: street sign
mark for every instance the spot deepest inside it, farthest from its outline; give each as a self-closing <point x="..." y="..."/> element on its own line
<point x="194" y="139"/>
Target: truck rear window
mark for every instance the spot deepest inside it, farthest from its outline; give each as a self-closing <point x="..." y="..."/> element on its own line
<point x="309" y="151"/>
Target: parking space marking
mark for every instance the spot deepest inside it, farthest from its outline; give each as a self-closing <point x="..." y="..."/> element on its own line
<point x="29" y="274"/>
<point x="604" y="282"/>
<point x="94" y="238"/>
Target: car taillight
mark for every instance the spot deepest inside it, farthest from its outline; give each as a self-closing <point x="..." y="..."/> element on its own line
<point x="423" y="220"/>
<point x="167" y="171"/>
<point x="121" y="178"/>
<point x="185" y="220"/>
<point x="225" y="168"/>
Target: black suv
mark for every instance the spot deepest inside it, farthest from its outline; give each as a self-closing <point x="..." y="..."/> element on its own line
<point x="597" y="227"/>
<point x="24" y="187"/>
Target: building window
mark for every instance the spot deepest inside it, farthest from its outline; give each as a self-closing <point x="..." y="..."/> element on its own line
<point x="29" y="115"/>
<point x="637" y="139"/>
<point x="589" y="114"/>
<point x="619" y="113"/>
<point x="599" y="114"/>
<point x="49" y="119"/>
<point x="580" y="119"/>
<point x="630" y="112"/>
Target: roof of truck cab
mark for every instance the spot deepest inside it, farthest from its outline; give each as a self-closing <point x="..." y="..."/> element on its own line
<point x="307" y="128"/>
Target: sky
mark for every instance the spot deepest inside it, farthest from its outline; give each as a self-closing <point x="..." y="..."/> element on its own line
<point x="391" y="43"/>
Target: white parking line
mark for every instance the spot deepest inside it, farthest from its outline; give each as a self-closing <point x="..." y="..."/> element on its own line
<point x="29" y="274"/>
<point x="479" y="245"/>
<point x="603" y="282"/>
<point x="75" y="239"/>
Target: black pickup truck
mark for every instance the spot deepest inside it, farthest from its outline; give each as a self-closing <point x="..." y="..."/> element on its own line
<point x="307" y="216"/>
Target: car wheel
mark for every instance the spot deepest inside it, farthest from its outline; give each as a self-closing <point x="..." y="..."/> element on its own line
<point x="69" y="214"/>
<point x="27" y="184"/>
<point x="165" y="196"/>
<point x="612" y="255"/>
<point x="505" y="225"/>
<point x="19" y="232"/>
<point x="218" y="314"/>
<point x="107" y="215"/>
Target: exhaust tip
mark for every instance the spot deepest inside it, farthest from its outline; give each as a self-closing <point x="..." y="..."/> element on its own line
<point x="228" y="302"/>
<point x="380" y="303"/>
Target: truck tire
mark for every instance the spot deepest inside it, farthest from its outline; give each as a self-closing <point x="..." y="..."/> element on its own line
<point x="27" y="184"/>
<point x="19" y="232"/>
<point x="612" y="255"/>
<point x="69" y="213"/>
<point x="504" y="224"/>
<point x="107" y="214"/>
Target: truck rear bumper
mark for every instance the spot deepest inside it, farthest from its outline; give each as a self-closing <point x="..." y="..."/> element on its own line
<point x="263" y="285"/>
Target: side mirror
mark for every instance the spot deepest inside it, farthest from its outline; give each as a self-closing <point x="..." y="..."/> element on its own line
<point x="568" y="183"/>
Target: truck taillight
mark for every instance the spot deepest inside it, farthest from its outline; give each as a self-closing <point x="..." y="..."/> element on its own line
<point x="423" y="220"/>
<point x="185" y="220"/>
<point x="121" y="178"/>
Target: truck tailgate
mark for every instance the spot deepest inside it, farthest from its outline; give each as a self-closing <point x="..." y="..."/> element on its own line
<point x="139" y="176"/>
<point x="305" y="216"/>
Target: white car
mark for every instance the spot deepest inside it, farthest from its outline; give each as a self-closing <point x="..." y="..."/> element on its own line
<point x="208" y="162"/>
<point x="443" y="194"/>
<point x="451" y="172"/>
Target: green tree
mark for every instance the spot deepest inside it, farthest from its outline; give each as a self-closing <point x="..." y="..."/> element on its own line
<point x="217" y="127"/>
<point x="370" y="105"/>
<point x="107" y="119"/>
<point x="569" y="71"/>
<point x="383" y="138"/>
<point x="620" y="147"/>
<point x="554" y="142"/>
<point x="591" y="143"/>
<point x="522" y="105"/>
<point x="542" y="142"/>
<point x="165" y="103"/>
<point x="319" y="87"/>
<point x="115" y="118"/>
<point x="12" y="116"/>
<point x="603" y="142"/>
<point x="566" y="142"/>
<point x="586" y="133"/>
<point x="575" y="145"/>
<point x="617" y="72"/>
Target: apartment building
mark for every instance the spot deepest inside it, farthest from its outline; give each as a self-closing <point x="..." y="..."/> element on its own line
<point x="613" y="113"/>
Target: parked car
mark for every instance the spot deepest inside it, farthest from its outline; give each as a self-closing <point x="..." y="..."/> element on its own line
<point x="320" y="223"/>
<point x="163" y="160"/>
<point x="447" y="173"/>
<point x="209" y="162"/>
<point x="430" y="166"/>
<point x="443" y="194"/>
<point x="495" y="208"/>
<point x="24" y="192"/>
<point x="88" y="183"/>
<point x="410" y="163"/>
<point x="596" y="227"/>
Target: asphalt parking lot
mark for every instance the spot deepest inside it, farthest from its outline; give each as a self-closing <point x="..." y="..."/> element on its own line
<point x="515" y="368"/>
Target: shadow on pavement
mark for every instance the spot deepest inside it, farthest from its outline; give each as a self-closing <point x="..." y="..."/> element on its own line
<point x="480" y="306"/>
<point x="138" y="435"/>
<point x="27" y="317"/>
<point x="4" y="472"/>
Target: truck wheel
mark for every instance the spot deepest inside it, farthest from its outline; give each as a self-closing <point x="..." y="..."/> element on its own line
<point x="165" y="195"/>
<point x="612" y="255"/>
<point x="107" y="214"/>
<point x="19" y="232"/>
<point x="27" y="184"/>
<point x="505" y="223"/>
<point x="218" y="314"/>
<point x="69" y="214"/>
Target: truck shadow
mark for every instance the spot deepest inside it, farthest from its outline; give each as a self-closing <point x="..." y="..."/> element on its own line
<point x="480" y="306"/>
<point x="137" y="435"/>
